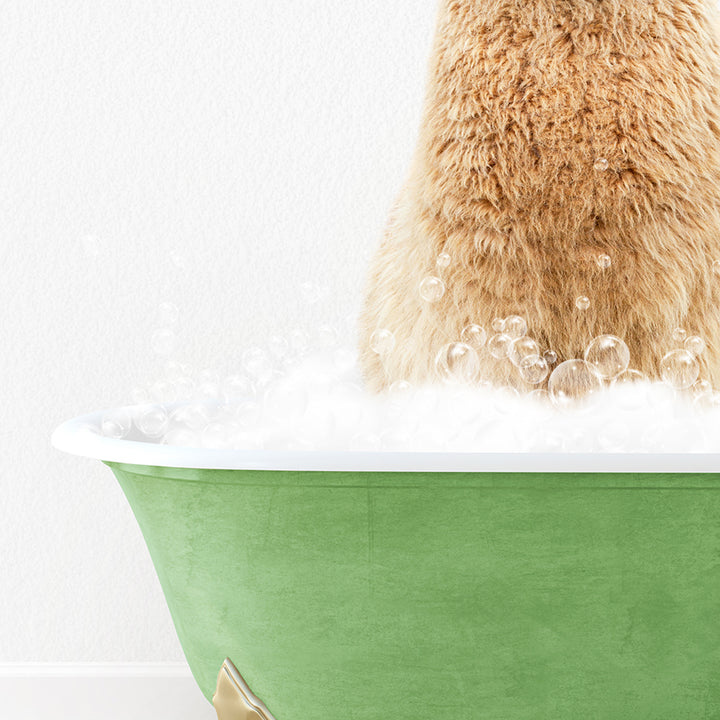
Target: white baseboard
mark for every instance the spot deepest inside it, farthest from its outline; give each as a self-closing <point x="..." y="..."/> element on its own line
<point x="111" y="691"/>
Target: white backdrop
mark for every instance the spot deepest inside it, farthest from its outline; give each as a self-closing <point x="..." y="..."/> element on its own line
<point x="214" y="155"/>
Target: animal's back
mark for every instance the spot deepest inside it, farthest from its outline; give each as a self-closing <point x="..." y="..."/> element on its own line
<point x="556" y="132"/>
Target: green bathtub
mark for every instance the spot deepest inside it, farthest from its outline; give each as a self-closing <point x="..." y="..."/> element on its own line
<point x="364" y="586"/>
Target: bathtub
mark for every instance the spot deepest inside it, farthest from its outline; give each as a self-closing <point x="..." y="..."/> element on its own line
<point x="411" y="586"/>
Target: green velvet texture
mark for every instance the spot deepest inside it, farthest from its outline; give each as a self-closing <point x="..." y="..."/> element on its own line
<point x="361" y="596"/>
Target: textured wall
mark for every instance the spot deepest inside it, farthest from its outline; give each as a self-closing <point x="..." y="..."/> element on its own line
<point x="211" y="154"/>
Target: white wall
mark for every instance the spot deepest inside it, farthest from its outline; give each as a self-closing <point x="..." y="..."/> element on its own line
<point x="256" y="143"/>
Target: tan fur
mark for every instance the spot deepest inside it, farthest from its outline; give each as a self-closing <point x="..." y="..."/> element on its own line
<point x="523" y="98"/>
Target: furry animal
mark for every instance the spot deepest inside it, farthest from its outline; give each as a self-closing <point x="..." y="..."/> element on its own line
<point x="527" y="103"/>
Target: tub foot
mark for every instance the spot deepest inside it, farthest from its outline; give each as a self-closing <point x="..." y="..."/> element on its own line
<point x="233" y="699"/>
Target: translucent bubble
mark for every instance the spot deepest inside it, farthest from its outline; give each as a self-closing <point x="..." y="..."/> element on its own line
<point x="152" y="420"/>
<point x="716" y="267"/>
<point x="180" y="260"/>
<point x="498" y="325"/>
<point x="174" y="370"/>
<point x="702" y="387"/>
<point x="457" y="363"/>
<point x="474" y="336"/>
<point x="194" y="416"/>
<point x="582" y="303"/>
<point x="608" y="356"/>
<point x="570" y="381"/>
<point x="168" y="313"/>
<point x="163" y="391"/>
<point x="679" y="335"/>
<point x="236" y="387"/>
<point x="515" y="326"/>
<point x="299" y="341"/>
<point x="257" y="364"/>
<point x="550" y="356"/>
<point x="679" y="369"/>
<point x="630" y="376"/>
<point x="209" y="375"/>
<point x="499" y="345"/>
<point x="116" y="423"/>
<point x="278" y="346"/>
<point x="185" y="388"/>
<point x="695" y="345"/>
<point x="401" y="388"/>
<point x="139" y="395"/>
<point x="534" y="369"/>
<point x="164" y="341"/>
<point x="601" y="164"/>
<point x="522" y="347"/>
<point x="432" y="289"/>
<point x="248" y="414"/>
<point x="443" y="260"/>
<point x="382" y="342"/>
<point x="604" y="261"/>
<point x="207" y="392"/>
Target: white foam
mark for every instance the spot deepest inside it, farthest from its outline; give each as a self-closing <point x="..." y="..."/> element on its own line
<point x="319" y="404"/>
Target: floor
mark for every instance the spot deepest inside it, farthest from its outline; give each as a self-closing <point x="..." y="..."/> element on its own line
<point x="86" y="698"/>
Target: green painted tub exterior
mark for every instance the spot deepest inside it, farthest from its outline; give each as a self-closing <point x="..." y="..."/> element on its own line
<point x="415" y="596"/>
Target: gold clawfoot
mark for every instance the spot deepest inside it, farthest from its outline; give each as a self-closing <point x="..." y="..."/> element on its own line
<point x="233" y="699"/>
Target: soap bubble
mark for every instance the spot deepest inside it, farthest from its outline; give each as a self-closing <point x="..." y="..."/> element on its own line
<point x="194" y="416"/>
<point x="207" y="392"/>
<point x="236" y="387"/>
<point x="522" y="347"/>
<point x="299" y="341"/>
<point x="679" y="335"/>
<point x="278" y="346"/>
<point x="582" y="303"/>
<point x="168" y="313"/>
<point x="550" y="356"/>
<point x="163" y="391"/>
<point x="679" y="369"/>
<point x="515" y="326"/>
<point x="248" y="414"/>
<point x="608" y="356"/>
<point x="499" y="346"/>
<point x="604" y="261"/>
<point x="601" y="164"/>
<point x="432" y="289"/>
<point x="174" y="370"/>
<point x="257" y="364"/>
<point x="540" y="395"/>
<point x="701" y="388"/>
<point x="382" y="342"/>
<point x="695" y="345"/>
<point x="498" y="325"/>
<point x="534" y="369"/>
<point x="457" y="362"/>
<point x="184" y="388"/>
<point x="474" y="336"/>
<point x="164" y="341"/>
<point x="570" y="381"/>
<point x="116" y="423"/>
<point x="401" y="388"/>
<point x="152" y="420"/>
<point x="630" y="376"/>
<point x="443" y="260"/>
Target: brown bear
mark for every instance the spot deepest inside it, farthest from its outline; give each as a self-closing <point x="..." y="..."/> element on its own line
<point x="568" y="170"/>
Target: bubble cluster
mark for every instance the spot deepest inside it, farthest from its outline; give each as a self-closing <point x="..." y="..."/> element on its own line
<point x="432" y="289"/>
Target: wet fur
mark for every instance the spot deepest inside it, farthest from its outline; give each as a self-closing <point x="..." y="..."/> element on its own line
<point x="523" y="98"/>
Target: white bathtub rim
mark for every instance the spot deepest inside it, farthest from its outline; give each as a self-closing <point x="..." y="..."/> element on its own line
<point x="76" y="437"/>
